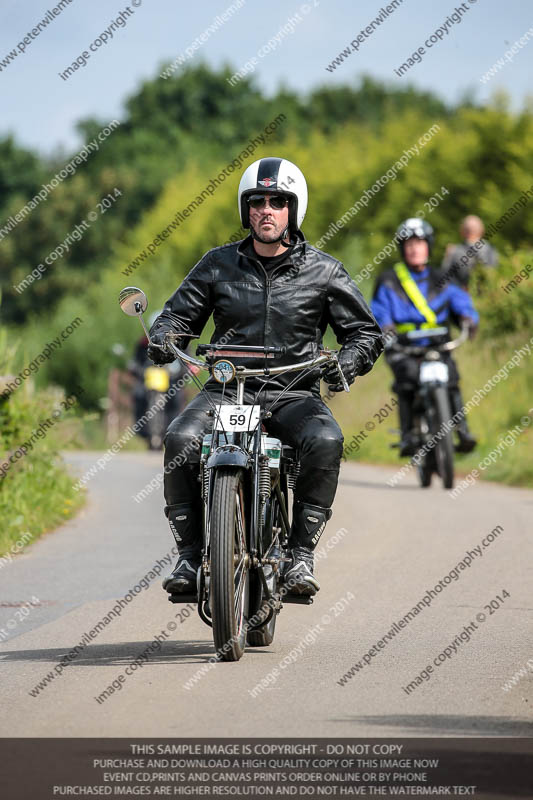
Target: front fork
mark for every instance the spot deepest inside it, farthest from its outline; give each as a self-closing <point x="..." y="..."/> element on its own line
<point x="206" y="474"/>
<point x="427" y="393"/>
<point x="259" y="494"/>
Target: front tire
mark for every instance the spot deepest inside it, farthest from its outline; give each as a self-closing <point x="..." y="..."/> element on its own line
<point x="444" y="446"/>
<point x="229" y="584"/>
<point x="425" y="471"/>
<point x="426" y="463"/>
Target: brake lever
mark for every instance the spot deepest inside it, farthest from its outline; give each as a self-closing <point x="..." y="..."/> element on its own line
<point x="390" y="339"/>
<point x="172" y="339"/>
<point x="175" y="336"/>
<point x="344" y="382"/>
<point x="343" y="379"/>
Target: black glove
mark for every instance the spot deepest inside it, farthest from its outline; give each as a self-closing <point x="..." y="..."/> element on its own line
<point x="157" y="351"/>
<point x="349" y="364"/>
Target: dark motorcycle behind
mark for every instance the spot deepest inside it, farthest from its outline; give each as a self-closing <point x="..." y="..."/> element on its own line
<point x="151" y="385"/>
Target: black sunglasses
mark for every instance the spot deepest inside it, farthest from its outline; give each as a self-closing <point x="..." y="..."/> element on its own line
<point x="277" y="201"/>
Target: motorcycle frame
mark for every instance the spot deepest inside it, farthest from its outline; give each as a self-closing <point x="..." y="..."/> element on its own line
<point x="235" y="454"/>
<point x="133" y="302"/>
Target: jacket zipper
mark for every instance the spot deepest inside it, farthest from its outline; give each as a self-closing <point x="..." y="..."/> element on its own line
<point x="267" y="299"/>
<point x="268" y="283"/>
<point x="268" y="286"/>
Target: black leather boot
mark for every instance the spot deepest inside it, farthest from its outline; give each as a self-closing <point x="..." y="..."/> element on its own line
<point x="185" y="523"/>
<point x="408" y="445"/>
<point x="308" y="525"/>
<point x="466" y="441"/>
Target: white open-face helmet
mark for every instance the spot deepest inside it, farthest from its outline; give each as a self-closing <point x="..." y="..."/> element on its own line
<point x="274" y="176"/>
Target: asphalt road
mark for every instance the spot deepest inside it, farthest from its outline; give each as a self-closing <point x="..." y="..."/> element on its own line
<point x="382" y="550"/>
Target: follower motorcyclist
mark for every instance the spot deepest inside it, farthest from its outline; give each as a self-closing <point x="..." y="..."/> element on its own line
<point x="137" y="367"/>
<point x="274" y="289"/>
<point x="412" y="296"/>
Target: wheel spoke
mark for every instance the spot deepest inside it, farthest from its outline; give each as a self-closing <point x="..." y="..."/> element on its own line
<point x="240" y="569"/>
<point x="238" y="603"/>
<point x="241" y="538"/>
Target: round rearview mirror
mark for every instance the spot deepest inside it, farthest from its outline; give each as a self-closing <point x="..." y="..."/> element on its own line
<point x="133" y="301"/>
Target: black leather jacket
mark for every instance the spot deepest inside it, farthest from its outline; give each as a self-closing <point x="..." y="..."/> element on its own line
<point x="291" y="307"/>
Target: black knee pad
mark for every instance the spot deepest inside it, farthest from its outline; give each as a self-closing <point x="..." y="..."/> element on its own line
<point x="323" y="452"/>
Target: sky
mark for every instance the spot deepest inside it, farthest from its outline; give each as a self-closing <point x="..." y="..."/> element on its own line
<point x="41" y="109"/>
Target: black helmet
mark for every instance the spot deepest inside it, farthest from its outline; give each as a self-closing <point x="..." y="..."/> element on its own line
<point x="414" y="226"/>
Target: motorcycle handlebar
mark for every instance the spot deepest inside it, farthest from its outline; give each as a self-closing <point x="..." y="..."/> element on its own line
<point x="134" y="303"/>
<point x="463" y="336"/>
<point x="324" y="356"/>
<point x="421" y="349"/>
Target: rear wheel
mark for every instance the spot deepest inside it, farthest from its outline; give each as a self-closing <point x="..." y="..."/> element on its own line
<point x="259" y="608"/>
<point x="444" y="445"/>
<point x="229" y="584"/>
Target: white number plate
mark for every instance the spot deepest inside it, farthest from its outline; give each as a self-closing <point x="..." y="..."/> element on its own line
<point x="237" y="418"/>
<point x="431" y="371"/>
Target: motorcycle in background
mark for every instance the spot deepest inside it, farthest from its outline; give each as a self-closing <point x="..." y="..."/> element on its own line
<point x="157" y="382"/>
<point x="151" y="384"/>
<point x="431" y="405"/>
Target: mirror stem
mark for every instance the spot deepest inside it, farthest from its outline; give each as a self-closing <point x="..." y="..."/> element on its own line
<point x="144" y="326"/>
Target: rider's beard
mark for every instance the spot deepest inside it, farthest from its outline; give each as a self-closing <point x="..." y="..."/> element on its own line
<point x="271" y="234"/>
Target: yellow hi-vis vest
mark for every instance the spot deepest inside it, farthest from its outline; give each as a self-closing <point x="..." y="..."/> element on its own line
<point x="417" y="298"/>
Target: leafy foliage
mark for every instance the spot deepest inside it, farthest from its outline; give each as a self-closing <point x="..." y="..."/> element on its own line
<point x="194" y="117"/>
<point x="36" y="493"/>
<point x="179" y="133"/>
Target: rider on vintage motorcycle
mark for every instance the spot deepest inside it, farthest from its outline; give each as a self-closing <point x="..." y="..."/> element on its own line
<point x="412" y="295"/>
<point x="274" y="289"/>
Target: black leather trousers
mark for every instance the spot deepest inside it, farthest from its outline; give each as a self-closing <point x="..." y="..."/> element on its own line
<point x="300" y="419"/>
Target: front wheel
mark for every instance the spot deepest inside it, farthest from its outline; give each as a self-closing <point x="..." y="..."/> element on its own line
<point x="444" y="446"/>
<point x="425" y="471"/>
<point x="426" y="462"/>
<point x="229" y="584"/>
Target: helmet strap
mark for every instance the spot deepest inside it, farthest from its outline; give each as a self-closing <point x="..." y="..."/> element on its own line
<point x="286" y="233"/>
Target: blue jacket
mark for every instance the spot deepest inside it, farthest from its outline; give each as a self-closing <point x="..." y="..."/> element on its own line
<point x="391" y="305"/>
